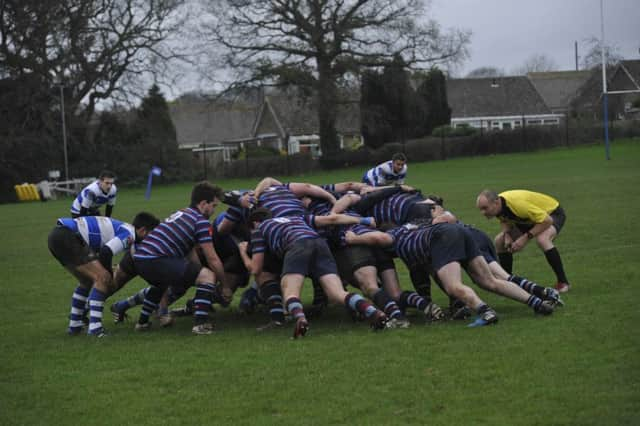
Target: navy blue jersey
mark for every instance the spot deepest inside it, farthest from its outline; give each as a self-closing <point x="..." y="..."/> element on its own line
<point x="279" y="233"/>
<point x="281" y="201"/>
<point x="395" y="208"/>
<point x="411" y="242"/>
<point x="176" y="236"/>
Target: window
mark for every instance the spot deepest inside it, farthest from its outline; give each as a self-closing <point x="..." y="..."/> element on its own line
<point x="534" y="122"/>
<point x="551" y="121"/>
<point x="506" y="126"/>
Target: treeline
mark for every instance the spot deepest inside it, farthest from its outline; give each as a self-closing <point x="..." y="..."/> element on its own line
<point x="396" y="105"/>
<point x="129" y="142"/>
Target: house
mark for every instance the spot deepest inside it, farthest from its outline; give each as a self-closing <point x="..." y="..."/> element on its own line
<point x="558" y="88"/>
<point x="623" y="86"/>
<point x="204" y="123"/>
<point x="288" y="121"/>
<point x="498" y="103"/>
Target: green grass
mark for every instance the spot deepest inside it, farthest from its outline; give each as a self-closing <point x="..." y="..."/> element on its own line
<point x="579" y="366"/>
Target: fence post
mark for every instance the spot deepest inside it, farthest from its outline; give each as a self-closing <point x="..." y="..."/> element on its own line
<point x="204" y="159"/>
<point x="566" y="129"/>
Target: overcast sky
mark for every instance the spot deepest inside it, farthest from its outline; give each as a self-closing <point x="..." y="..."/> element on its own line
<point x="507" y="32"/>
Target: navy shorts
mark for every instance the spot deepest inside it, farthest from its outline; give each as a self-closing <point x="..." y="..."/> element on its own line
<point x="310" y="257"/>
<point x="167" y="271"/>
<point x="450" y="243"/>
<point x="69" y="247"/>
<point x="484" y="244"/>
<point x="351" y="258"/>
<point x="127" y="266"/>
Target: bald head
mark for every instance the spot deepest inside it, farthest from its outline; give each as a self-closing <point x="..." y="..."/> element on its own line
<point x="489" y="204"/>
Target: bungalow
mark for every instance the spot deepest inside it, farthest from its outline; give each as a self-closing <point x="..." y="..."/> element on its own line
<point x="498" y="103"/>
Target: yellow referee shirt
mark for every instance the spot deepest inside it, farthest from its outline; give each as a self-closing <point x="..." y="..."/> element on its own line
<point x="526" y="207"/>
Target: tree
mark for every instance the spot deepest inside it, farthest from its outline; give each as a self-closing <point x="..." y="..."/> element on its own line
<point x="316" y="43"/>
<point x="92" y="47"/>
<point x="538" y="62"/>
<point x="593" y="57"/>
<point x="433" y="91"/>
<point x="485" y="72"/>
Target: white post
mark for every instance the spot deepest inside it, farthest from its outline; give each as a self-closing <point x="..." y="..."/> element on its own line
<point x="605" y="101"/>
<point x="64" y="134"/>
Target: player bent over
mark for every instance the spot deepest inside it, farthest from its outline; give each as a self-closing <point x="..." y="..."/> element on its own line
<point x="85" y="246"/>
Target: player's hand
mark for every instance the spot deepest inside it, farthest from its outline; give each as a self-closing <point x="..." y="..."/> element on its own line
<point x="349" y="237"/>
<point x="518" y="244"/>
<point x="242" y="246"/>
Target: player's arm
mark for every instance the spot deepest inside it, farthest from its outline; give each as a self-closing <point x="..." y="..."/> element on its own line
<point x="264" y="184"/>
<point x="343" y="219"/>
<point x="310" y="190"/>
<point x="537" y="229"/>
<point x="225" y="227"/>
<point x="374" y="238"/>
<point x="349" y="186"/>
<point x="345" y="202"/>
<point x="443" y="216"/>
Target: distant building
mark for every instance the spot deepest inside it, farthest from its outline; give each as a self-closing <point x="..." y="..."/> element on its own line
<point x="498" y="103"/>
<point x="559" y="88"/>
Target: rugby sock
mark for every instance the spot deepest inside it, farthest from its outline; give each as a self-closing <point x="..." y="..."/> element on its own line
<point x="78" y="302"/>
<point x="387" y="304"/>
<point x="202" y="302"/>
<point x="506" y="261"/>
<point x="359" y="304"/>
<point x="553" y="257"/>
<point x="534" y="302"/>
<point x="319" y="298"/>
<point x="96" y="305"/>
<point x="270" y="292"/>
<point x="150" y="304"/>
<point x="131" y="301"/>
<point x="411" y="299"/>
<point x="528" y="286"/>
<point x="294" y="307"/>
<point x="482" y="309"/>
<point x="421" y="282"/>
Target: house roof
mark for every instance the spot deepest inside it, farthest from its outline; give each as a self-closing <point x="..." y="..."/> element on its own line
<point x="626" y="76"/>
<point x="590" y="92"/>
<point x="297" y="114"/>
<point x="499" y="96"/>
<point x="198" y="119"/>
<point x="558" y="88"/>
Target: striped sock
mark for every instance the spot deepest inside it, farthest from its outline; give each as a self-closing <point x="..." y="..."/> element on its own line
<point x="359" y="304"/>
<point x="528" y="286"/>
<point x="78" y="303"/>
<point x="96" y="305"/>
<point x="150" y="304"/>
<point x="534" y="302"/>
<point x="295" y="308"/>
<point x="271" y="293"/>
<point x="202" y="302"/>
<point x="387" y="304"/>
<point x="411" y="299"/>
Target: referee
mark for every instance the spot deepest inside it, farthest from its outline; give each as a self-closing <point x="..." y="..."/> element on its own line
<point x="526" y="215"/>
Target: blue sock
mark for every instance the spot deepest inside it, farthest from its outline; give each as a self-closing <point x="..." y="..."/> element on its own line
<point x="96" y="305"/>
<point x="78" y="302"/>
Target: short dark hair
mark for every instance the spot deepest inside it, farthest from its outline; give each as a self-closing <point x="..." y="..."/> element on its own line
<point x="205" y="191"/>
<point x="106" y="174"/>
<point x="436" y="199"/>
<point x="260" y="214"/>
<point x="399" y="156"/>
<point x="145" y="220"/>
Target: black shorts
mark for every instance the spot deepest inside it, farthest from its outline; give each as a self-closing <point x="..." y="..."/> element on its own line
<point x="450" y="243"/>
<point x="484" y="244"/>
<point x="558" y="216"/>
<point x="69" y="247"/>
<point x="167" y="271"/>
<point x="310" y="257"/>
<point x="351" y="258"/>
<point x="127" y="265"/>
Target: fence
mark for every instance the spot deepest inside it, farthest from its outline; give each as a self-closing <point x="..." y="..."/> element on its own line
<point x="525" y="139"/>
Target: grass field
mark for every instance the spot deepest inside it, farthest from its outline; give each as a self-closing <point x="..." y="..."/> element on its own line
<point x="580" y="366"/>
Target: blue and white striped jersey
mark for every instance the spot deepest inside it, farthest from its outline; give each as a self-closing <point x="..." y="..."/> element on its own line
<point x="281" y="201"/>
<point x="92" y="197"/>
<point x="176" y="236"/>
<point x="99" y="231"/>
<point x="383" y="174"/>
<point x="279" y="233"/>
